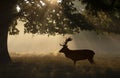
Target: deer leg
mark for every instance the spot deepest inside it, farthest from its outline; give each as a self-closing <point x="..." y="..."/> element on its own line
<point x="91" y="60"/>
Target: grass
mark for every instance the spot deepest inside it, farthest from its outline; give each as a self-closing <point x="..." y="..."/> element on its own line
<point x="51" y="66"/>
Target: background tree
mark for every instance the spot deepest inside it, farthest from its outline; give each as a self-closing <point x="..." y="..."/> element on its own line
<point x="101" y="16"/>
<point x="104" y="14"/>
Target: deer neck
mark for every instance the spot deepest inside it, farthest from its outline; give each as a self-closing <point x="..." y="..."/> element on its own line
<point x="66" y="50"/>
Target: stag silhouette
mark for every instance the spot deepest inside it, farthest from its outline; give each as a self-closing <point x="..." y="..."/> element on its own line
<point x="76" y="55"/>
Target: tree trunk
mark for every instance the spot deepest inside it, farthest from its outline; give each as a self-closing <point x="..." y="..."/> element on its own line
<point x="4" y="55"/>
<point x="6" y="17"/>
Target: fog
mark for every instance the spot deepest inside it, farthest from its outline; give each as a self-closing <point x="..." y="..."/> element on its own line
<point x="107" y="44"/>
<point x="22" y="48"/>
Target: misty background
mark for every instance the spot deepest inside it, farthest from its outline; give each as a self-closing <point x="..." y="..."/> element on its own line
<point x="107" y="44"/>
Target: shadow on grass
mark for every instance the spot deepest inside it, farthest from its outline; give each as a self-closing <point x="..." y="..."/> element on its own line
<point x="57" y="67"/>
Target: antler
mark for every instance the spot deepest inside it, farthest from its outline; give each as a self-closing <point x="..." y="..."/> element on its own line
<point x="67" y="40"/>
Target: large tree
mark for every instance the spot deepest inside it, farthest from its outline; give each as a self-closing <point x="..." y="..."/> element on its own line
<point x="49" y="17"/>
<point x="40" y="16"/>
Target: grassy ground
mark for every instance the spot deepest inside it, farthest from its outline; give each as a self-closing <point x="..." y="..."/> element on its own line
<point x="50" y="66"/>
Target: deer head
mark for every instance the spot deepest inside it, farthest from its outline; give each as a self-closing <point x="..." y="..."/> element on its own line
<point x="65" y="47"/>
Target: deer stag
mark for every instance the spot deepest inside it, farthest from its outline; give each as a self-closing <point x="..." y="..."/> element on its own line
<point x="77" y="55"/>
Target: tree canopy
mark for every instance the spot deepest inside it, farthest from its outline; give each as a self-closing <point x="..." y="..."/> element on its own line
<point x="42" y="16"/>
<point x="101" y="16"/>
<point x="62" y="16"/>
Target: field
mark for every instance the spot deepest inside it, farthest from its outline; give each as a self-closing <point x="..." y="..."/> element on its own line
<point x="57" y="66"/>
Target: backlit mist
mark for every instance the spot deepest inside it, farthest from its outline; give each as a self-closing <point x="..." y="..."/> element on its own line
<point x="107" y="44"/>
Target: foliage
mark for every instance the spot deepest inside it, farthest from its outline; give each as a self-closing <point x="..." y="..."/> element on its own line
<point x="104" y="5"/>
<point x="50" y="17"/>
<point x="43" y="16"/>
<point x="102" y="15"/>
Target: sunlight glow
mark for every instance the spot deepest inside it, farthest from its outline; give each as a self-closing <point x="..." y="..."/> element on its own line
<point x="52" y="1"/>
<point x="26" y="1"/>
<point x="18" y="8"/>
<point x="59" y="1"/>
<point x="55" y="1"/>
<point x="43" y="4"/>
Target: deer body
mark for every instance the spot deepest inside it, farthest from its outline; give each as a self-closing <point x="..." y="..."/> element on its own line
<point x="77" y="55"/>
